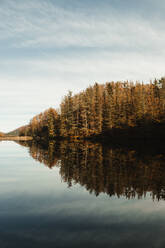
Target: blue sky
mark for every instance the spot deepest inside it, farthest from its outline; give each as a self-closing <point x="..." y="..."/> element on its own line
<point x="48" y="47"/>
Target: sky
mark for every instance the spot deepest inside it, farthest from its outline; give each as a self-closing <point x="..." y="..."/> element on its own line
<point x="48" y="47"/>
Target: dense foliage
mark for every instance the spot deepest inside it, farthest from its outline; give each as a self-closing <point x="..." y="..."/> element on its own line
<point x="1" y="134"/>
<point x="102" y="108"/>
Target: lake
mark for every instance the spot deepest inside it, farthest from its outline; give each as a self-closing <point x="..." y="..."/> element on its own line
<point x="80" y="194"/>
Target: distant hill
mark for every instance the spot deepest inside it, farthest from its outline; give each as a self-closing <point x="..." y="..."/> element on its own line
<point x="15" y="132"/>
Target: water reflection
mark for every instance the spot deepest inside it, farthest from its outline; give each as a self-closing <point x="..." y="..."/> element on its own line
<point x="101" y="169"/>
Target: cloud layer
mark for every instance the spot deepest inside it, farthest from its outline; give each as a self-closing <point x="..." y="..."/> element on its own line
<point x="50" y="47"/>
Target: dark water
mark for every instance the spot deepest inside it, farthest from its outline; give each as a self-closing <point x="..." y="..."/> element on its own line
<point x="80" y="195"/>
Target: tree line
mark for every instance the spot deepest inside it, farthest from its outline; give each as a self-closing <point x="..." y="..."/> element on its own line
<point x="100" y="109"/>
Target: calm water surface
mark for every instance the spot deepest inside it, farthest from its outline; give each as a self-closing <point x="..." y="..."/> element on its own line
<point x="76" y="195"/>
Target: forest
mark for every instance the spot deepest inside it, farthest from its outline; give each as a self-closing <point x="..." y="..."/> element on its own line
<point x="104" y="110"/>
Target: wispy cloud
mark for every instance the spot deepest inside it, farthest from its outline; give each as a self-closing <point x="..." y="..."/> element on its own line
<point x="49" y="47"/>
<point x="43" y="24"/>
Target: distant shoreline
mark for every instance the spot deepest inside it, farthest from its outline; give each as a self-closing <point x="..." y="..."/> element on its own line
<point x="23" y="138"/>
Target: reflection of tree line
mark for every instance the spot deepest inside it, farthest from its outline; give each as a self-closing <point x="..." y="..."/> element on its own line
<point x="104" y="170"/>
<point x="47" y="155"/>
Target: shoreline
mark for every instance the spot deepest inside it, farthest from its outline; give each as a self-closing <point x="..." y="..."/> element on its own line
<point x="23" y="138"/>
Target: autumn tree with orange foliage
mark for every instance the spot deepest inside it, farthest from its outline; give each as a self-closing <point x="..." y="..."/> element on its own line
<point x="102" y="108"/>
